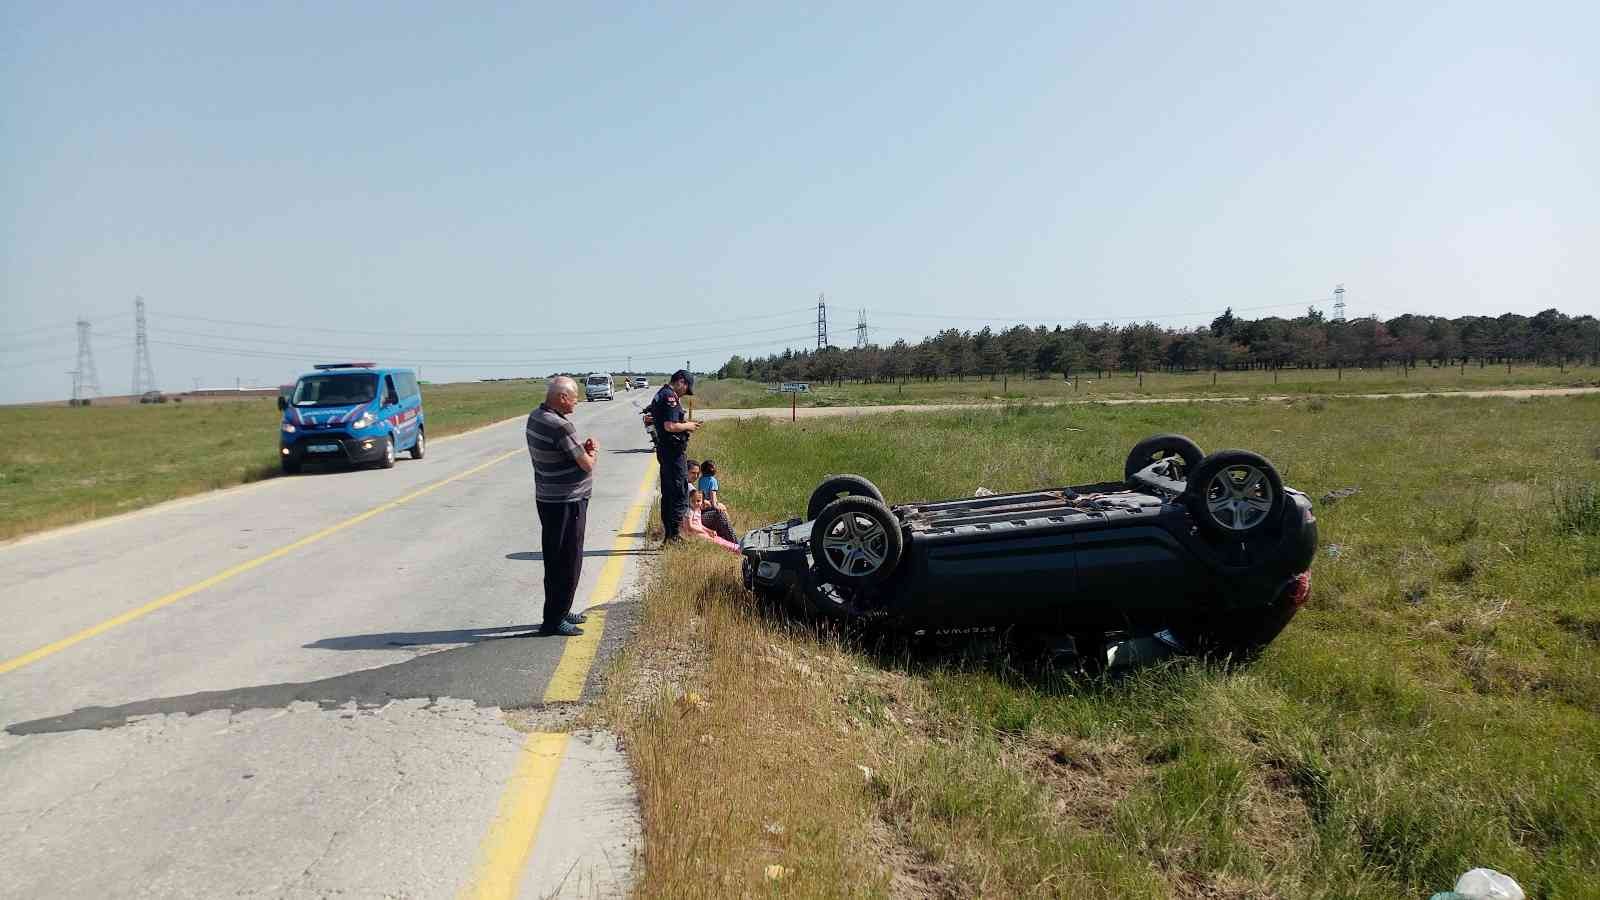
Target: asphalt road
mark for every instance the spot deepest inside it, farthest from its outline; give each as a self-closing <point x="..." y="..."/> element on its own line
<point x="295" y="688"/>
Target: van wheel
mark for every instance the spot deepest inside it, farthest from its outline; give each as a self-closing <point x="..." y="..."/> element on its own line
<point x="388" y="452"/>
<point x="419" y="447"/>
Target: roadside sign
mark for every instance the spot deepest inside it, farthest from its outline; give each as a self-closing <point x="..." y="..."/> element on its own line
<point x="794" y="387"/>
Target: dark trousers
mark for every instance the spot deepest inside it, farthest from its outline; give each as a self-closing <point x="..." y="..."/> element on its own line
<point x="561" y="528"/>
<point x="674" y="491"/>
<point x="718" y="523"/>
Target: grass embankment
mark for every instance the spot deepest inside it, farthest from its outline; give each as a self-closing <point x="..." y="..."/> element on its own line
<point x="60" y="465"/>
<point x="1434" y="708"/>
<point x="737" y="393"/>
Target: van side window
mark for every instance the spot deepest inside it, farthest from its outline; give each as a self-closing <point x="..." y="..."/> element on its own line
<point x="408" y="385"/>
<point x="390" y="397"/>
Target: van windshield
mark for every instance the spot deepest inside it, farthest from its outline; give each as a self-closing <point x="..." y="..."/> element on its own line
<point x="335" y="390"/>
<point x="599" y="379"/>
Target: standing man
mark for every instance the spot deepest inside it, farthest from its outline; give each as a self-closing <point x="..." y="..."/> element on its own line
<point x="563" y="479"/>
<point x="672" y="448"/>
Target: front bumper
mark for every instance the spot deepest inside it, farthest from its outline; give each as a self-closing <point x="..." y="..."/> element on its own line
<point x="331" y="446"/>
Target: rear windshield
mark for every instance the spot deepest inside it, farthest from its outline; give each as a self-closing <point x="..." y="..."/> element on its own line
<point x="335" y="390"/>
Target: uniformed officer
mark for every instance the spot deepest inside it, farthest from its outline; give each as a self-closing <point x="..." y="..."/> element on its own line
<point x="672" y="448"/>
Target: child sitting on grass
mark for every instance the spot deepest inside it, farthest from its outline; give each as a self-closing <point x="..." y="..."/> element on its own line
<point x="693" y="524"/>
<point x="716" y="514"/>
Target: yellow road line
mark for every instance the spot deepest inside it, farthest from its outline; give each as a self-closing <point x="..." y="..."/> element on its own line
<point x="510" y="839"/>
<point x="577" y="654"/>
<point x="511" y="836"/>
<point x="169" y="599"/>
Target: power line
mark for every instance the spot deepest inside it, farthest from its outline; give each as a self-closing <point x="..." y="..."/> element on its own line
<point x="346" y="349"/>
<point x="463" y="334"/>
<point x="672" y="350"/>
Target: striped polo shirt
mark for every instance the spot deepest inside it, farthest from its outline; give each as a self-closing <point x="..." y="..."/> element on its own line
<point x="553" y="446"/>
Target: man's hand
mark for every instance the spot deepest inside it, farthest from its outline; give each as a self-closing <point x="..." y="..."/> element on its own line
<point x="590" y="446"/>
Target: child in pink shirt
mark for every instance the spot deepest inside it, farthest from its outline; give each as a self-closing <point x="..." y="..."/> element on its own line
<point x="693" y="524"/>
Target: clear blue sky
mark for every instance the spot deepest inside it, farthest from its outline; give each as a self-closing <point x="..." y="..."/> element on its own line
<point x="528" y="178"/>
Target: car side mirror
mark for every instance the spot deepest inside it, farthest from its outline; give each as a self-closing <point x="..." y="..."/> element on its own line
<point x="283" y="403"/>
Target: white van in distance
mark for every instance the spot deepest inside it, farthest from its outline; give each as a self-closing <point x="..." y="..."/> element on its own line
<point x="597" y="386"/>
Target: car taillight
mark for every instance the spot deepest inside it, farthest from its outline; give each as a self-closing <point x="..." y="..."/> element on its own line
<point x="1300" y="589"/>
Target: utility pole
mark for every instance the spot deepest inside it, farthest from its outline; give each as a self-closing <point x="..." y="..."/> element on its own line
<point x="87" y="382"/>
<point x="144" y="377"/>
<point x="861" y="330"/>
<point x="822" y="321"/>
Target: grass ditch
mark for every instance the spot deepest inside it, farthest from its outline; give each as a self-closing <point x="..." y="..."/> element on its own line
<point x="1435" y="707"/>
<point x="61" y="465"/>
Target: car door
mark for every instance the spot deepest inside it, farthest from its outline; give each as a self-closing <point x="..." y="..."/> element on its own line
<point x="391" y="412"/>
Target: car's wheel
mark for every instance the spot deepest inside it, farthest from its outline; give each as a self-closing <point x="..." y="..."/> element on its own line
<point x="289" y="467"/>
<point x="1187" y="453"/>
<point x="855" y="541"/>
<point x="421" y="446"/>
<point x="835" y="486"/>
<point x="388" y="452"/>
<point x="1235" y="494"/>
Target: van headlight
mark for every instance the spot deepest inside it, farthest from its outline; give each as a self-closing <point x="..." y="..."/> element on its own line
<point x="288" y="428"/>
<point x="366" y="419"/>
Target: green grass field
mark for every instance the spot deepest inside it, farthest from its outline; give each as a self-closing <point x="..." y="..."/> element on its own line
<point x="1434" y="708"/>
<point x="734" y="393"/>
<point x="60" y="465"/>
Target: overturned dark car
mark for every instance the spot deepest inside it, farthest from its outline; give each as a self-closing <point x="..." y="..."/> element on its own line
<point x="1202" y="553"/>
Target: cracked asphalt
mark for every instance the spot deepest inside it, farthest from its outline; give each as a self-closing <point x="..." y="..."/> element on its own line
<point x="328" y="722"/>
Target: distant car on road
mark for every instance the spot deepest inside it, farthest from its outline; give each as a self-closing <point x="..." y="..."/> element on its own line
<point x="152" y="397"/>
<point x="1196" y="551"/>
<point x="638" y="381"/>
<point x="353" y="413"/>
<point x="598" y="386"/>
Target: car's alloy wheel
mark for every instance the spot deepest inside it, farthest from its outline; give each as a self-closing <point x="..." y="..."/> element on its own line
<point x="1236" y="494"/>
<point x="856" y="541"/>
<point x="388" y="452"/>
<point x="420" y="447"/>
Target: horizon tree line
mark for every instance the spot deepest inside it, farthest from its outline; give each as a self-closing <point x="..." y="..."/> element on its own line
<point x="1310" y="341"/>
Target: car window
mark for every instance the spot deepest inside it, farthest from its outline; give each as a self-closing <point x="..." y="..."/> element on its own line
<point x="335" y="390"/>
<point x="390" y="396"/>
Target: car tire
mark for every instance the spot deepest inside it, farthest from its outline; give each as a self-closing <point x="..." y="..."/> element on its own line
<point x="289" y="468"/>
<point x="1162" y="446"/>
<point x="421" y="446"/>
<point x="856" y="541"/>
<point x="388" y="452"/>
<point x="1235" y="495"/>
<point x="835" y="486"/>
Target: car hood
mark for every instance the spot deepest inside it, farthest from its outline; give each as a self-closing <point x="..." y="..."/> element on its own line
<point x="324" y="415"/>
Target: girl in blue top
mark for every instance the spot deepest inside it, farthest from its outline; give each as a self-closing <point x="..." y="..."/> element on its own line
<point x="716" y="514"/>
